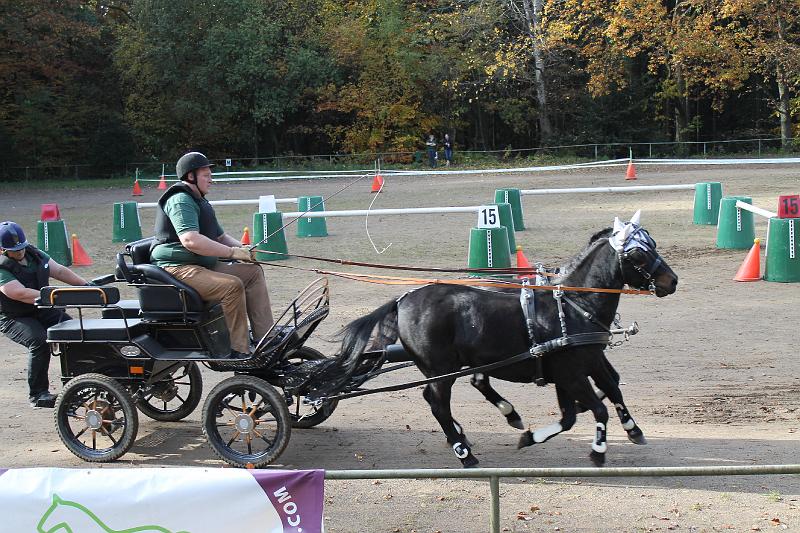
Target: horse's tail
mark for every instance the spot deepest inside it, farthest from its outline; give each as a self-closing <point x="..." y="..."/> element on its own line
<point x="357" y="333"/>
<point x="355" y="337"/>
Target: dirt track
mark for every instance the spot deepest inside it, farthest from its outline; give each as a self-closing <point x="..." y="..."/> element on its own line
<point x="713" y="378"/>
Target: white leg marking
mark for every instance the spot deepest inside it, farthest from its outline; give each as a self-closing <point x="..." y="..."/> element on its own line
<point x="542" y="434"/>
<point x="630" y="424"/>
<point x="460" y="450"/>
<point x="458" y="428"/>
<point x="600" y="394"/>
<point x="478" y="377"/>
<point x="599" y="448"/>
<point x="505" y="407"/>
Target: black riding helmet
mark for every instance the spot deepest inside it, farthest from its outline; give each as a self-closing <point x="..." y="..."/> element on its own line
<point x="190" y="162"/>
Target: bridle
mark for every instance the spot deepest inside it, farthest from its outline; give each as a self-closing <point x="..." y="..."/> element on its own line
<point x="639" y="240"/>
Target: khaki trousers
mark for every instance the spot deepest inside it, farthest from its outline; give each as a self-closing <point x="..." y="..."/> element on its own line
<point x="238" y="287"/>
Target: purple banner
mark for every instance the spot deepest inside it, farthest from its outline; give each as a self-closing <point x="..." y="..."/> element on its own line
<point x="297" y="495"/>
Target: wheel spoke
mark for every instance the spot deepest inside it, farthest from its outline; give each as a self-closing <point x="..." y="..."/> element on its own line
<point x="182" y="399"/>
<point x="81" y="432"/>
<point x="109" y="435"/>
<point x="94" y="440"/>
<point x="235" y="436"/>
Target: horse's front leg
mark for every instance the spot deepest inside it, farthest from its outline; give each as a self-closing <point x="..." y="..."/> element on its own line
<point x="568" y="415"/>
<point x="481" y="382"/>
<point x="437" y="395"/>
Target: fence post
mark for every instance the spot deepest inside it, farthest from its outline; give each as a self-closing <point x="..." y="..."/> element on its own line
<point x="650" y="147"/>
<point x="704" y="149"/>
<point x="759" y="148"/>
<point x="494" y="517"/>
<point x="595" y="152"/>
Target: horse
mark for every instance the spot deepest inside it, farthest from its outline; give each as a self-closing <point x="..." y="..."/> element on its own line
<point x="67" y="516"/>
<point x="446" y="327"/>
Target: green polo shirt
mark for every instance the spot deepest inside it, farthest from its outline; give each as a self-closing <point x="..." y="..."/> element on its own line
<point x="6" y="276"/>
<point x="183" y="211"/>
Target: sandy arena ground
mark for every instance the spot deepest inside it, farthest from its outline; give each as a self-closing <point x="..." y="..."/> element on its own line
<point x="713" y="378"/>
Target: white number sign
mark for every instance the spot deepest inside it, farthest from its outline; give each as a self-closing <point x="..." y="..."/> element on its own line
<point x="489" y="216"/>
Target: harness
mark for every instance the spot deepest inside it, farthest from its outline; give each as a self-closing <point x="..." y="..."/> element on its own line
<point x="638" y="238"/>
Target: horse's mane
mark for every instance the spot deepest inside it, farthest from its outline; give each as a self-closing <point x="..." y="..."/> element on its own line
<point x="568" y="267"/>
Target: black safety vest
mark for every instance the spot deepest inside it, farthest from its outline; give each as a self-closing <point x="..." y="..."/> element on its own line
<point x="32" y="279"/>
<point x="165" y="230"/>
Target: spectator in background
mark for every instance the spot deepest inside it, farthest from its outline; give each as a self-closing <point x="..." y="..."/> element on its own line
<point x="448" y="150"/>
<point x="431" y="146"/>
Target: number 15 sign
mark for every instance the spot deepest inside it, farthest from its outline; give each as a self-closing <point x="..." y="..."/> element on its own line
<point x="789" y="206"/>
<point x="489" y="216"/>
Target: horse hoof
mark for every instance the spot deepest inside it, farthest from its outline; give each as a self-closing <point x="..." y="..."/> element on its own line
<point x="637" y="437"/>
<point x="470" y="462"/>
<point x="526" y="439"/>
<point x="598" y="459"/>
<point x="515" y="422"/>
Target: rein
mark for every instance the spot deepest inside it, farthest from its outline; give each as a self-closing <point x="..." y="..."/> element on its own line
<point x="504" y="270"/>
<point x="477" y="282"/>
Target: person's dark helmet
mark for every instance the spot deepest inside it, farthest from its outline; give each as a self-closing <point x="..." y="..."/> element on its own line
<point x="189" y="162"/>
<point x="12" y="238"/>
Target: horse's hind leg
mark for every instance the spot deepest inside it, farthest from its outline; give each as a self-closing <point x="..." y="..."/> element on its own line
<point x="606" y="382"/>
<point x="437" y="395"/>
<point x="481" y="382"/>
<point x="568" y="415"/>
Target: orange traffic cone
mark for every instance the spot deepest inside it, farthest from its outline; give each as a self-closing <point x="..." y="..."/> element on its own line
<point x="751" y="266"/>
<point x="137" y="189"/>
<point x="630" y="174"/>
<point x="162" y="185"/>
<point x="522" y="262"/>
<point x="79" y="255"/>
<point x="377" y="183"/>
<point x="246" y="236"/>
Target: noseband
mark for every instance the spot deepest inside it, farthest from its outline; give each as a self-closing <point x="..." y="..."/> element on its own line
<point x="640" y="239"/>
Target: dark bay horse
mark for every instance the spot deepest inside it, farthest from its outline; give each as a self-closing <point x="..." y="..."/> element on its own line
<point x="449" y="327"/>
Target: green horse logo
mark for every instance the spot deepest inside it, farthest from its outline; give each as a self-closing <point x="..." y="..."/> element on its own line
<point x="64" y="516"/>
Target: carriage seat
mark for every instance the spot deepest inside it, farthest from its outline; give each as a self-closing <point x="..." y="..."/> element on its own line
<point x="96" y="329"/>
<point x="161" y="295"/>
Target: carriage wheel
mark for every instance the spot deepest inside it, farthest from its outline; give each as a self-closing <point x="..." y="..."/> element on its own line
<point x="175" y="397"/>
<point x="303" y="415"/>
<point x="246" y="421"/>
<point x="95" y="418"/>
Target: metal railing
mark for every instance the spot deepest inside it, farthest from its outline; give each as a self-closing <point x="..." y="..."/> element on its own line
<point x="495" y="474"/>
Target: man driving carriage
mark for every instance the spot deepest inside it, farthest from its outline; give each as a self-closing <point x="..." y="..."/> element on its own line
<point x="193" y="247"/>
<point x="24" y="270"/>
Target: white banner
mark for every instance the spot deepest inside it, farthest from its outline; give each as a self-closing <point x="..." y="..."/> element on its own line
<point x="160" y="500"/>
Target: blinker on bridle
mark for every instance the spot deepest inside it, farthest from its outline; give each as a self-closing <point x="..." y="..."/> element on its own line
<point x="641" y="240"/>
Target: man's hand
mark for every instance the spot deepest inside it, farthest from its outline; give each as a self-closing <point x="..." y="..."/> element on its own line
<point x="240" y="253"/>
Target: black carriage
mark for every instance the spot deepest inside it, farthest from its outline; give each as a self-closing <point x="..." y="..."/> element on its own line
<point x="144" y="354"/>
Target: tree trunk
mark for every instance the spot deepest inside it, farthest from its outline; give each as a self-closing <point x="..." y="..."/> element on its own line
<point x="533" y="14"/>
<point x="784" y="113"/>
<point x="680" y="107"/>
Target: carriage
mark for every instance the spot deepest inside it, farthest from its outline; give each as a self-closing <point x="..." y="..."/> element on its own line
<point x="144" y="354"/>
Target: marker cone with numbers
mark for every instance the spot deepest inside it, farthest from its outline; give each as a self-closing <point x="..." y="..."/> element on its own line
<point x="751" y="267"/>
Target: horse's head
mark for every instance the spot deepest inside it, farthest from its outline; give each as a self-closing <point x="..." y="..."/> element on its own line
<point x="642" y="266"/>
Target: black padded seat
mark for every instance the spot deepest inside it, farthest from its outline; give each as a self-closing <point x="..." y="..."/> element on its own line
<point x="96" y="329"/>
<point x="123" y="308"/>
